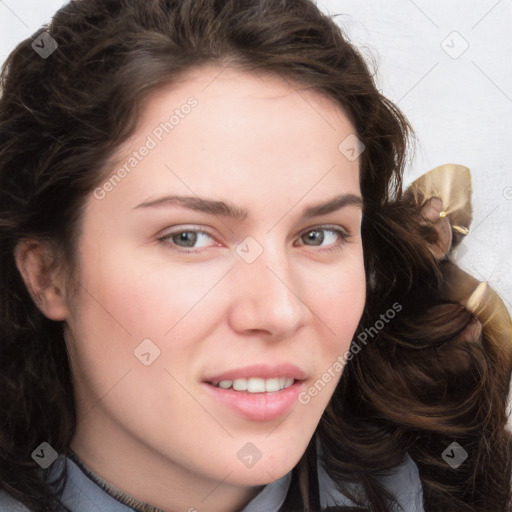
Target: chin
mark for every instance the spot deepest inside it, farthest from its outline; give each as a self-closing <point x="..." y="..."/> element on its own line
<point x="264" y="471"/>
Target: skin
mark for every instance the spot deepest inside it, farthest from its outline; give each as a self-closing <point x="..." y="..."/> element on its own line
<point x="153" y="431"/>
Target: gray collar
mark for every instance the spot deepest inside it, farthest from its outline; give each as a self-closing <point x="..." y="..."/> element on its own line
<point x="87" y="492"/>
<point x="105" y="495"/>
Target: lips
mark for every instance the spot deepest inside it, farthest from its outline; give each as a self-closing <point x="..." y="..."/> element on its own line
<point x="257" y="404"/>
<point x="254" y="406"/>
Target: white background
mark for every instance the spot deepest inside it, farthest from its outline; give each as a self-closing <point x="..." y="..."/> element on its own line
<point x="458" y="99"/>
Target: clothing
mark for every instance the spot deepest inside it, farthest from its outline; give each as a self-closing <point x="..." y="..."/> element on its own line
<point x="87" y="492"/>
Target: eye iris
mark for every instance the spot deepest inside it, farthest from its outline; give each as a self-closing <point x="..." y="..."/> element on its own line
<point x="184" y="236"/>
<point x="316" y="238"/>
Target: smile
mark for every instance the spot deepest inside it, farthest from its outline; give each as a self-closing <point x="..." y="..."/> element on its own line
<point x="256" y="385"/>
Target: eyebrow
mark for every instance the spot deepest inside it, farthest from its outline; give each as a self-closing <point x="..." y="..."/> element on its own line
<point x="234" y="212"/>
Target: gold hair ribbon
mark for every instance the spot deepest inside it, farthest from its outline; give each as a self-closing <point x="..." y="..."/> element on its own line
<point x="444" y="193"/>
<point x="476" y="299"/>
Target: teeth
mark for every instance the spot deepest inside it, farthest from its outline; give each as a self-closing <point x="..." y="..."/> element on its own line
<point x="272" y="385"/>
<point x="240" y="385"/>
<point x="257" y="385"/>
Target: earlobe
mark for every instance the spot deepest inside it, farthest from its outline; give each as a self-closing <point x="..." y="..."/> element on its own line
<point x="41" y="278"/>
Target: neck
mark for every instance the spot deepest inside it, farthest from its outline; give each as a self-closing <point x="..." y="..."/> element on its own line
<point x="137" y="475"/>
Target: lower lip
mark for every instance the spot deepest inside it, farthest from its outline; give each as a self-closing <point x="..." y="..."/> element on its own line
<point x="258" y="406"/>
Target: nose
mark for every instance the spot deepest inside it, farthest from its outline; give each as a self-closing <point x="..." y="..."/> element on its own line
<point x="269" y="297"/>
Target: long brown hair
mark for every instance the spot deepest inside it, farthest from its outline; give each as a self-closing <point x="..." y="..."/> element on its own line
<point x="416" y="387"/>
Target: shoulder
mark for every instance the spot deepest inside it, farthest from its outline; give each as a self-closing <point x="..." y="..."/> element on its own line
<point x="404" y="483"/>
<point x="8" y="503"/>
<point x="80" y="493"/>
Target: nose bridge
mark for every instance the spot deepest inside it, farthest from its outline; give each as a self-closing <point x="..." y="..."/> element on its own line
<point x="268" y="291"/>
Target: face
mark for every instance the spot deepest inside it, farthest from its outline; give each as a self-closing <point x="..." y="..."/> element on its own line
<point x="179" y="301"/>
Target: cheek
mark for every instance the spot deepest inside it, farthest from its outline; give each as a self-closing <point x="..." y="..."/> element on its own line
<point x="131" y="293"/>
<point x="340" y="305"/>
<point x="125" y="301"/>
<point x="341" y="301"/>
<point x="123" y="312"/>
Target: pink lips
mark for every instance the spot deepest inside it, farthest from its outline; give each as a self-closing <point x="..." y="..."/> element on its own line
<point x="265" y="406"/>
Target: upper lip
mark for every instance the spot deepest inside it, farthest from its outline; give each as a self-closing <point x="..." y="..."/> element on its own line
<point x="262" y="371"/>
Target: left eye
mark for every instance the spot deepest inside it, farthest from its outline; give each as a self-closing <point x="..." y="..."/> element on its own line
<point x="317" y="235"/>
<point x="190" y="237"/>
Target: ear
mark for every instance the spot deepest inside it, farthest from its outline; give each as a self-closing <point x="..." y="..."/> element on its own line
<point x="35" y="264"/>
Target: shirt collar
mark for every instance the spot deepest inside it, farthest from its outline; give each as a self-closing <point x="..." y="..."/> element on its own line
<point x="86" y="491"/>
<point x="269" y="499"/>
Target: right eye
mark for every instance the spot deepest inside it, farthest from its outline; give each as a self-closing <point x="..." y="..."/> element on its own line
<point x="188" y="237"/>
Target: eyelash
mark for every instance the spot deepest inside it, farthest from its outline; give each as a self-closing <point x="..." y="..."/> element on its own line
<point x="344" y="236"/>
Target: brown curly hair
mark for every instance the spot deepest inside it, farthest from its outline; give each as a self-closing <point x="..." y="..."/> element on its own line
<point x="417" y="386"/>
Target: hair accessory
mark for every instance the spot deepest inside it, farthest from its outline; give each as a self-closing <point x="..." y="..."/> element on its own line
<point x="444" y="196"/>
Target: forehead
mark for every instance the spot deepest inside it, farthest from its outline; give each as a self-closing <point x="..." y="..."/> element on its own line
<point x="223" y="90"/>
<point x="246" y="134"/>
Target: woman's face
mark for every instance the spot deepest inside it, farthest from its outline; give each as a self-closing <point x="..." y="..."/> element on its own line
<point x="174" y="298"/>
